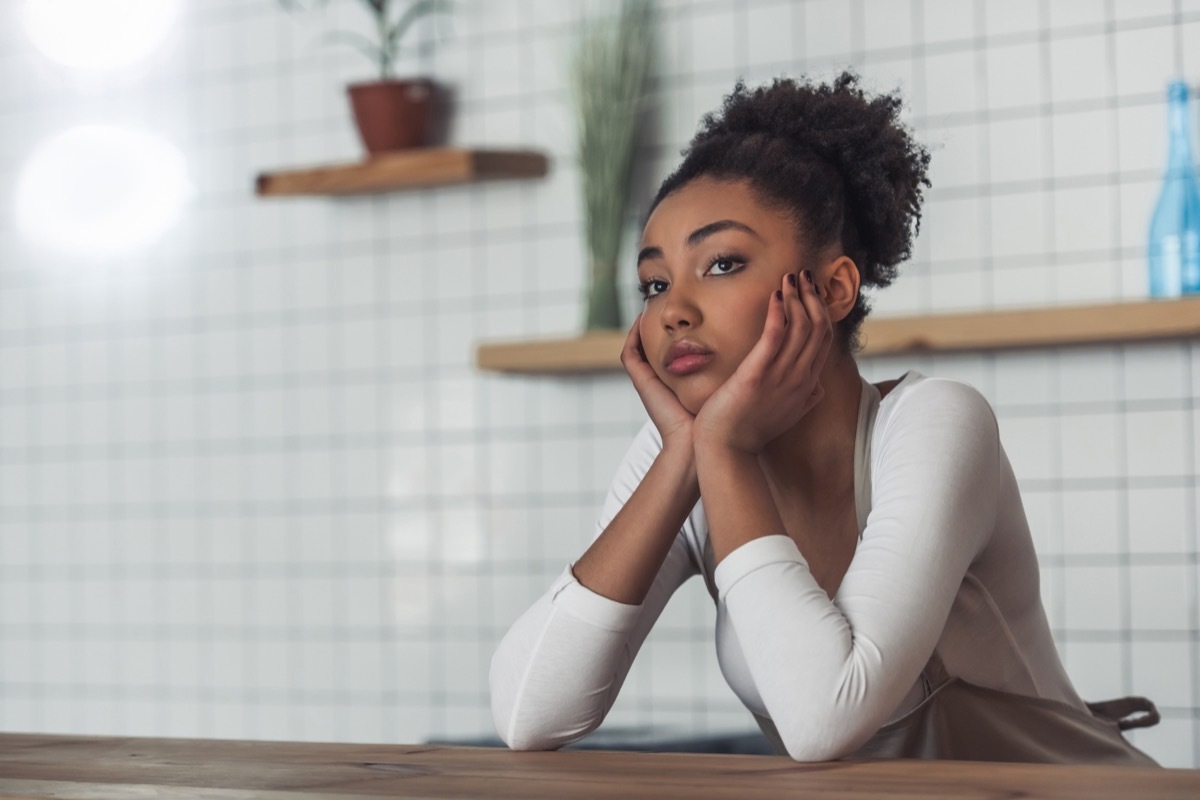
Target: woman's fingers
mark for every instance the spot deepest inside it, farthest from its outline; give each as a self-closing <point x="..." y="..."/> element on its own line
<point x="799" y="322"/>
<point x="631" y="350"/>
<point x="775" y="332"/>
<point x="816" y="346"/>
<point x="633" y="358"/>
<point x="791" y="321"/>
<point x="661" y="404"/>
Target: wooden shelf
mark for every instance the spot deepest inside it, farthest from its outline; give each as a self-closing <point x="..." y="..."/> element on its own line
<point x="404" y="169"/>
<point x="1056" y="326"/>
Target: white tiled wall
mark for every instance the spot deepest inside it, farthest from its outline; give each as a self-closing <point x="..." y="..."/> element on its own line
<point x="252" y="486"/>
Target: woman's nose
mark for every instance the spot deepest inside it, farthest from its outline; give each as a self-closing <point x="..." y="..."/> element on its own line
<point x="679" y="310"/>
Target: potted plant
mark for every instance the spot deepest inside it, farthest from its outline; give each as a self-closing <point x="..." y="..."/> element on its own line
<point x="608" y="73"/>
<point x="390" y="113"/>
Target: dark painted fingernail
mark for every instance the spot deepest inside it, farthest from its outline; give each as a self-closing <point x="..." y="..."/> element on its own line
<point x="778" y="295"/>
<point x="791" y="279"/>
<point x="808" y="275"/>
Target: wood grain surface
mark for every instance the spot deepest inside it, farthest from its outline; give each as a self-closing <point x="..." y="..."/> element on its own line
<point x="979" y="331"/>
<point x="99" y="768"/>
<point x="404" y="169"/>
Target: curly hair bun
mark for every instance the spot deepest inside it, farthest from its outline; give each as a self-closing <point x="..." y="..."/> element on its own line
<point x="841" y="162"/>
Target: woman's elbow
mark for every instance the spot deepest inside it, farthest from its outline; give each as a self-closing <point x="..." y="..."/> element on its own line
<point x="809" y="742"/>
<point x="804" y="750"/>
<point x="529" y="736"/>
<point x="528" y="740"/>
<point x="521" y="733"/>
<point x="809" y="752"/>
<point x="515" y="737"/>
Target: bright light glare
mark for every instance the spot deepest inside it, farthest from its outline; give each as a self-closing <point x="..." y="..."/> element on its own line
<point x="101" y="191"/>
<point x="95" y="34"/>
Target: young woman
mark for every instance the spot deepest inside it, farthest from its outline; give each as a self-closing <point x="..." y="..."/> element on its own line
<point x="865" y="544"/>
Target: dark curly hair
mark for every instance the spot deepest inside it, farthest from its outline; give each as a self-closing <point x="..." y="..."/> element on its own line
<point x="840" y="163"/>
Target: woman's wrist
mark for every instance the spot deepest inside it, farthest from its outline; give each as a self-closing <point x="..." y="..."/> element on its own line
<point x="679" y="438"/>
<point x="680" y="452"/>
<point x="737" y="500"/>
<point x="709" y="446"/>
<point x="710" y="453"/>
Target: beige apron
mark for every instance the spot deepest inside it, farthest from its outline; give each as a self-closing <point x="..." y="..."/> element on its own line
<point x="960" y="720"/>
<point x="964" y="721"/>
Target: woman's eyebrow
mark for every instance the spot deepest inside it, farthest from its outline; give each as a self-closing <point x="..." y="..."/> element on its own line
<point x="699" y="235"/>
<point x="647" y="253"/>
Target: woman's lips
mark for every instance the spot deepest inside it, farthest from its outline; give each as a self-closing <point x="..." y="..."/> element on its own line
<point x="689" y="363"/>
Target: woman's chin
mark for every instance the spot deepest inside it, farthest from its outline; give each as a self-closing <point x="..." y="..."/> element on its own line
<point x="693" y="390"/>
<point x="693" y="401"/>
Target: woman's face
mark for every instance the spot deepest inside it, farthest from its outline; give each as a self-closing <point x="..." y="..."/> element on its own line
<point x="710" y="258"/>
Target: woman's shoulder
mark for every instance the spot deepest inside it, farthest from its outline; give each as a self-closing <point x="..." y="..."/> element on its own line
<point x="945" y="426"/>
<point x="923" y="399"/>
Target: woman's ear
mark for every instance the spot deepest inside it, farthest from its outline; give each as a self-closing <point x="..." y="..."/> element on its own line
<point x="838" y="283"/>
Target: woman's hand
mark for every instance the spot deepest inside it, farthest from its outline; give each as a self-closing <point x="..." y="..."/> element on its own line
<point x="779" y="380"/>
<point x="674" y="422"/>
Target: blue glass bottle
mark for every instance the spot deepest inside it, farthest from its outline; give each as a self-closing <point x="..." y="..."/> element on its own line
<point x="1174" y="248"/>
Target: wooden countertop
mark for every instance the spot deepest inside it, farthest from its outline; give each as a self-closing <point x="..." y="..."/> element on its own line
<point x="98" y="768"/>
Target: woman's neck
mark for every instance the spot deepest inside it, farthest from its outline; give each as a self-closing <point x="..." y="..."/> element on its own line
<point x="814" y="460"/>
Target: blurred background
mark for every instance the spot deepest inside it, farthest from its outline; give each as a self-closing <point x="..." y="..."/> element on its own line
<point x="252" y="484"/>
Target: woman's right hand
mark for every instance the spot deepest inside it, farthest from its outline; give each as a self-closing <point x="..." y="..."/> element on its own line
<point x="674" y="422"/>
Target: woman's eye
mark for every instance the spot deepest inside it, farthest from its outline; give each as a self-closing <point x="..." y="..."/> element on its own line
<point x="723" y="265"/>
<point x="651" y="288"/>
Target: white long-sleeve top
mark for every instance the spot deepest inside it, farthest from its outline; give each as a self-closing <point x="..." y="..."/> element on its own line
<point x="944" y="560"/>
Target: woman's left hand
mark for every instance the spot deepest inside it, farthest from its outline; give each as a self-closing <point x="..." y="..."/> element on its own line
<point x="779" y="380"/>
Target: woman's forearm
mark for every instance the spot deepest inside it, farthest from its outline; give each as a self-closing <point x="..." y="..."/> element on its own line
<point x="737" y="500"/>
<point x="624" y="559"/>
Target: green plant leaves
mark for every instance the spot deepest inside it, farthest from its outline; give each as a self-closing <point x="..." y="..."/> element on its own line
<point x="383" y="52"/>
<point x="355" y="40"/>
<point x="608" y="74"/>
<point x="413" y="13"/>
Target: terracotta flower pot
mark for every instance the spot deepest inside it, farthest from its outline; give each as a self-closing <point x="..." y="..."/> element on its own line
<point x="394" y="115"/>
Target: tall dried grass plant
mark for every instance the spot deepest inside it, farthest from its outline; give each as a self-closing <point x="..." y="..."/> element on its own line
<point x="608" y="78"/>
